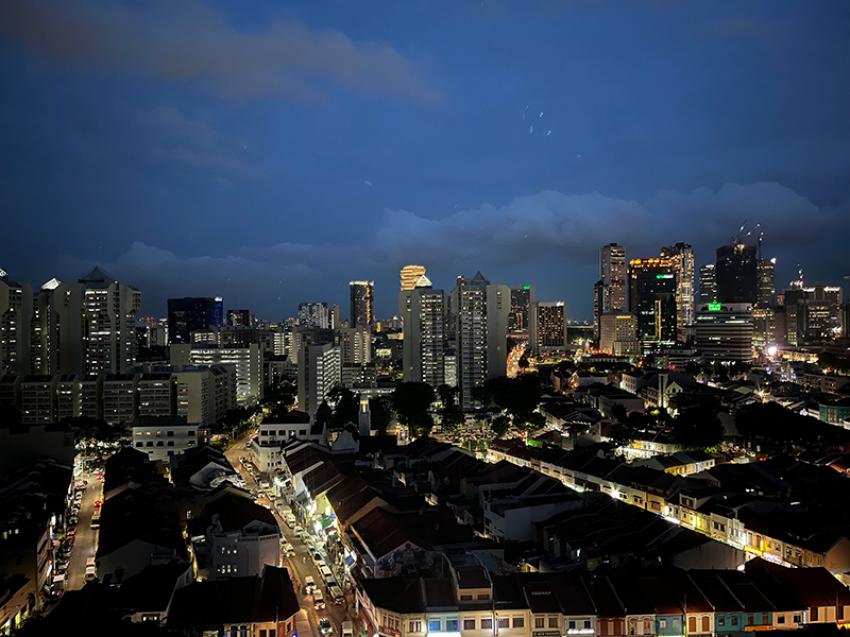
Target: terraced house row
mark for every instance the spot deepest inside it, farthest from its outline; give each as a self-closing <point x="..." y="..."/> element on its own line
<point x="788" y="512"/>
<point x="470" y="601"/>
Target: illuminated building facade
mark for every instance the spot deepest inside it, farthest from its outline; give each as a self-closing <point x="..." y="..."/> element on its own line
<point x="652" y="299"/>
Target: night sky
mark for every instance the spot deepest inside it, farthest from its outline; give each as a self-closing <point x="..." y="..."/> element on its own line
<point x="269" y="152"/>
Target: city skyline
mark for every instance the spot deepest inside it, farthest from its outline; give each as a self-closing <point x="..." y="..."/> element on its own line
<point x="183" y="182"/>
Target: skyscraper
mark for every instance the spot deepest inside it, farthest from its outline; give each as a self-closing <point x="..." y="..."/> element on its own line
<point x="707" y="284"/>
<point x="724" y="331"/>
<point x="423" y="310"/>
<point x="548" y="327"/>
<point x="612" y="270"/>
<point x="187" y="314"/>
<point x="682" y="257"/>
<point x="314" y="315"/>
<point x="57" y="329"/>
<point x="736" y="272"/>
<point x="598" y="295"/>
<point x="15" y="315"/>
<point x="652" y="299"/>
<point x="522" y="299"/>
<point x="362" y="303"/>
<point x="766" y="296"/>
<point x="410" y="274"/>
<point x="109" y="324"/>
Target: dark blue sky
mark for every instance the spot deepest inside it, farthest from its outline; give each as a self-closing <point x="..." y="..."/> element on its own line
<point x="270" y="151"/>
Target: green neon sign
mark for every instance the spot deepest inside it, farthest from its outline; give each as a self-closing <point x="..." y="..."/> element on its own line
<point x="663" y="276"/>
<point x="527" y="286"/>
<point x="715" y="307"/>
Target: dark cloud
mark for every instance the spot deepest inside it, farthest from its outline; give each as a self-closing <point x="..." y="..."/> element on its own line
<point x="187" y="42"/>
<point x="550" y="238"/>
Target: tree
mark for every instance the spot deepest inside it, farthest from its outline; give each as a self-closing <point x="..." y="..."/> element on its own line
<point x="323" y="414"/>
<point x="523" y="363"/>
<point x="281" y="395"/>
<point x="500" y="425"/>
<point x="346" y="408"/>
<point x="697" y="428"/>
<point x="411" y="402"/>
<point x="381" y="414"/>
<point x="86" y="428"/>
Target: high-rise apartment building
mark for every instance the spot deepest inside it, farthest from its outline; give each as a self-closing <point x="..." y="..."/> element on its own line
<point x="362" y="303"/>
<point x="736" y="272"/>
<point x="682" y="257"/>
<point x="188" y="314"/>
<point x="410" y="274"/>
<point x="56" y="330"/>
<point x="319" y="370"/>
<point x="247" y="362"/>
<point x="109" y="324"/>
<point x="548" y="327"/>
<point x="15" y="315"/>
<point x="724" y="331"/>
<point x="314" y="315"/>
<point x="707" y="284"/>
<point x="598" y="296"/>
<point x="240" y="318"/>
<point x="423" y="310"/>
<point x="652" y="299"/>
<point x="356" y="344"/>
<point x="522" y="300"/>
<point x="612" y="270"/>
<point x="482" y="324"/>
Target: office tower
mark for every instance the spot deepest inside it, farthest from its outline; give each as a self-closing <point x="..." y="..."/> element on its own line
<point x="482" y="324"/>
<point x="423" y="310"/>
<point x="522" y="299"/>
<point x="362" y="303"/>
<point x="247" y="363"/>
<point x="314" y="315"/>
<point x="598" y="300"/>
<point x="766" y="295"/>
<point x="15" y="316"/>
<point x="724" y="331"/>
<point x="548" y="327"/>
<point x="240" y="318"/>
<point x="764" y="326"/>
<point x="612" y="271"/>
<point x="319" y="371"/>
<point x="356" y="344"/>
<point x="188" y="314"/>
<point x="845" y="320"/>
<point x="707" y="284"/>
<point x="109" y="323"/>
<point x="56" y="330"/>
<point x="334" y="321"/>
<point x="682" y="257"/>
<point x="652" y="299"/>
<point x="410" y="274"/>
<point x="618" y="334"/>
<point x="736" y="271"/>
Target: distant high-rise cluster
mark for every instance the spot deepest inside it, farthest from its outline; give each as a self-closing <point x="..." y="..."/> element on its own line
<point x="362" y="303"/>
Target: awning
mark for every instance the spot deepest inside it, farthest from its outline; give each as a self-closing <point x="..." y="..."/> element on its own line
<point x="349" y="561"/>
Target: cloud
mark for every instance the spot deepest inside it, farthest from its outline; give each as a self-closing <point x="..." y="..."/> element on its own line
<point x="188" y="42"/>
<point x="549" y="238"/>
<point x="195" y="143"/>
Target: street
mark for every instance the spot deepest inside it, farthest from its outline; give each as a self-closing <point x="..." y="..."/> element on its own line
<point x="302" y="564"/>
<point x="85" y="543"/>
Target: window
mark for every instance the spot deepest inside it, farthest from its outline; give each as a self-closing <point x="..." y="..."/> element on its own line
<point x="170" y="434"/>
<point x="553" y="622"/>
<point x="572" y="624"/>
<point x="692" y="624"/>
<point x="587" y="624"/>
<point x="519" y="622"/>
<point x="813" y="614"/>
<point x="705" y="623"/>
<point x="721" y="621"/>
<point x="539" y="622"/>
<point x="469" y="624"/>
<point x="466" y="598"/>
<point x="262" y="632"/>
<point x="797" y="619"/>
<point x="435" y="626"/>
<point x="452" y="625"/>
<point x="661" y="622"/>
<point x="503" y="622"/>
<point x="487" y="624"/>
<point x="483" y="597"/>
<point x="140" y="444"/>
<point x="839" y="612"/>
<point x="414" y="627"/>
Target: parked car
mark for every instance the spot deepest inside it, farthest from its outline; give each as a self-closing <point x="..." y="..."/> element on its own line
<point x="325" y="626"/>
<point x="289" y="550"/>
<point x="335" y="594"/>
<point x="309" y="585"/>
<point x="347" y="629"/>
<point x="326" y="572"/>
<point x="318" y="599"/>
